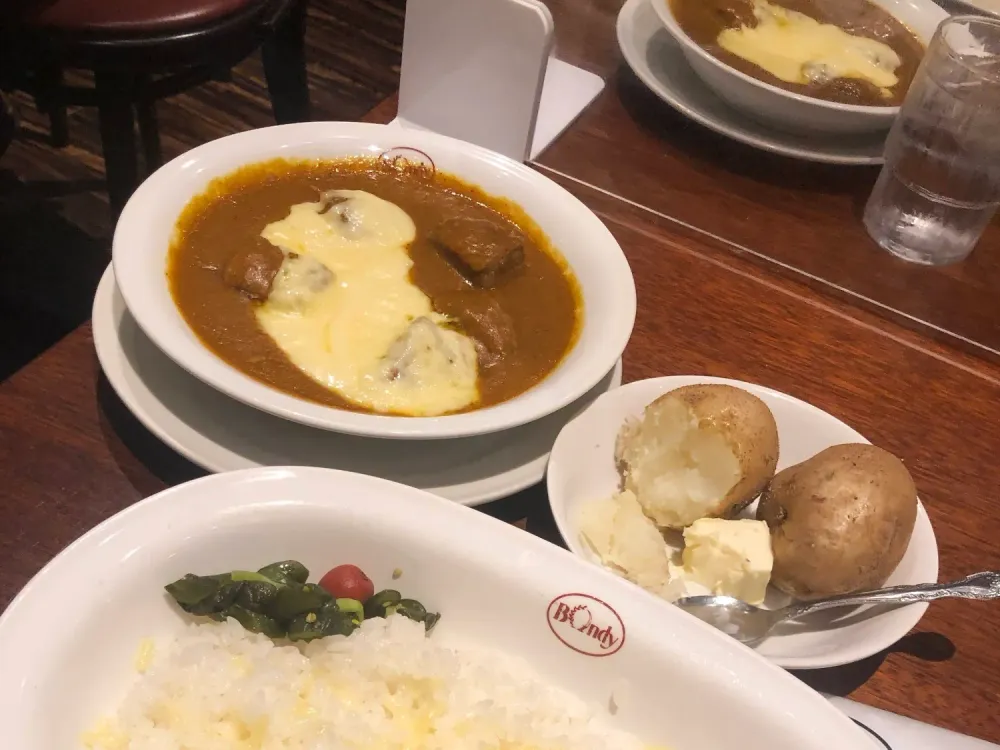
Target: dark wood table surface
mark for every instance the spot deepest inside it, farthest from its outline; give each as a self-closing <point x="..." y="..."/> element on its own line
<point x="797" y="218"/>
<point x="71" y="454"/>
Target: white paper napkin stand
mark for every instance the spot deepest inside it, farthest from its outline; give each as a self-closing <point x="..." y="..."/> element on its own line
<point x="482" y="71"/>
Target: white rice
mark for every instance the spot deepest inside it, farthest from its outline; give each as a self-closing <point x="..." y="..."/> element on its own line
<point x="386" y="687"/>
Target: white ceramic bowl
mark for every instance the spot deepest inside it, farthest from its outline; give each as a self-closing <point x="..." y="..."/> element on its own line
<point x="67" y="642"/>
<point x="785" y="109"/>
<point x="144" y="230"/>
<point x="581" y="469"/>
<point x="977" y="7"/>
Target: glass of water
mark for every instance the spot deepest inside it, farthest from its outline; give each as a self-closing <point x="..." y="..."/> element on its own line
<point x="940" y="185"/>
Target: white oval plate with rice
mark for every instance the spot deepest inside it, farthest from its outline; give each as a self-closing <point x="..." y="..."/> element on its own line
<point x="68" y="641"/>
<point x="581" y="470"/>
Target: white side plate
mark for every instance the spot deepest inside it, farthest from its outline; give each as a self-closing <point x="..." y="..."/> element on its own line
<point x="581" y="469"/>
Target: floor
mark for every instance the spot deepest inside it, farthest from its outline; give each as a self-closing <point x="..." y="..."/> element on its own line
<point x="55" y="225"/>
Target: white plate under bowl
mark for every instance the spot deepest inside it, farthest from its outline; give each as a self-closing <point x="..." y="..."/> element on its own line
<point x="221" y="434"/>
<point x="581" y="469"/>
<point x="144" y="231"/>
<point x="658" y="61"/>
<point x="680" y="683"/>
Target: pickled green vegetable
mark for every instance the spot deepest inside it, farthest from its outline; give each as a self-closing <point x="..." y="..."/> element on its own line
<point x="352" y="607"/>
<point x="278" y="602"/>
<point x="431" y="620"/>
<point x="288" y="571"/>
<point x="256" y="622"/>
<point x="411" y="608"/>
<point x="380" y="603"/>
<point x="257" y="596"/>
<point x="192" y="589"/>
<point x="293" y="600"/>
<point x="312" y="625"/>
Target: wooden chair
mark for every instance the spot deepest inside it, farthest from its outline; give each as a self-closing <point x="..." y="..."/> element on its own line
<point x="6" y="124"/>
<point x="143" y="50"/>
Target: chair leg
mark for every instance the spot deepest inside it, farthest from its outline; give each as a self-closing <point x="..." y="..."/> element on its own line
<point x="149" y="132"/>
<point x="59" y="126"/>
<point x="50" y="81"/>
<point x="115" y="90"/>
<point x="285" y="66"/>
<point x="8" y="123"/>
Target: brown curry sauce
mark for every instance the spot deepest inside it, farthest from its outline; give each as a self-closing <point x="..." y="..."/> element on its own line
<point x="704" y="20"/>
<point x="541" y="297"/>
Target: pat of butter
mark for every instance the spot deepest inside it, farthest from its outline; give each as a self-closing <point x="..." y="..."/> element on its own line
<point x="628" y="543"/>
<point x="798" y="49"/>
<point x="731" y="558"/>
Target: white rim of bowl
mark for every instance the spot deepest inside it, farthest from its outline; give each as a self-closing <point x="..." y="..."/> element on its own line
<point x="259" y="395"/>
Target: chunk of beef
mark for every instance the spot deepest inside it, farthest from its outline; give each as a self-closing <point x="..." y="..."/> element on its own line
<point x="482" y="251"/>
<point x="481" y="318"/>
<point x="253" y="271"/>
<point x="425" y="350"/>
<point x="299" y="280"/>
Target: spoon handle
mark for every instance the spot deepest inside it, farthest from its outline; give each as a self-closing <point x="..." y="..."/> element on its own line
<point x="977" y="586"/>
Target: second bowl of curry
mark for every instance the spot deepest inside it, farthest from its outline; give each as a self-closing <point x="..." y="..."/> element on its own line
<point x="319" y="273"/>
<point x="807" y="66"/>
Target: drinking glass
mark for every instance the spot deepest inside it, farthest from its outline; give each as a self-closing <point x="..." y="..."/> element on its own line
<point x="940" y="185"/>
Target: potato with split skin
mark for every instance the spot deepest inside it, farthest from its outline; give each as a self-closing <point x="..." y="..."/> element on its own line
<point x="698" y="451"/>
<point x="840" y="521"/>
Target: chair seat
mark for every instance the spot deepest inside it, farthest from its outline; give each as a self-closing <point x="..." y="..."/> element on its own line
<point x="130" y="16"/>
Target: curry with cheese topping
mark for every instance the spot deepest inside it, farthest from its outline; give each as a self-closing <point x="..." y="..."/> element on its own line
<point x="846" y="51"/>
<point x="373" y="286"/>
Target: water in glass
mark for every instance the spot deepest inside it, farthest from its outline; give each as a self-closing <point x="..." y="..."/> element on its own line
<point x="941" y="182"/>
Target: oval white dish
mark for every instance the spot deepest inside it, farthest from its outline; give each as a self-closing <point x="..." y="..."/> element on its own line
<point x="490" y="581"/>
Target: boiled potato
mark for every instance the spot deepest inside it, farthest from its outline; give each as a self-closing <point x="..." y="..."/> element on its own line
<point x="628" y="543"/>
<point x="698" y="451"/>
<point x="840" y="521"/>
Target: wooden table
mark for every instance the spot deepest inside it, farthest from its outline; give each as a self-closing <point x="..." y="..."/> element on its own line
<point x="795" y="218"/>
<point x="71" y="455"/>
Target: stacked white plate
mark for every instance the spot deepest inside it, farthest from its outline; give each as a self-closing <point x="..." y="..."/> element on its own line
<point x="222" y="420"/>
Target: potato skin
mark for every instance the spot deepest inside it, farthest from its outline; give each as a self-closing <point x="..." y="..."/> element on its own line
<point x="748" y="427"/>
<point x="840" y="521"/>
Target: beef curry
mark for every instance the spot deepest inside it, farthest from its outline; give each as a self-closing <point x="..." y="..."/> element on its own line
<point x="872" y="63"/>
<point x="489" y="272"/>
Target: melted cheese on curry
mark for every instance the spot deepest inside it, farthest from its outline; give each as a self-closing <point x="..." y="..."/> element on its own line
<point x="355" y="282"/>
<point x="799" y="49"/>
<point x="345" y="311"/>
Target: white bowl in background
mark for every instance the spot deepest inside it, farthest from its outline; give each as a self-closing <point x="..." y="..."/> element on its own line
<point x="581" y="470"/>
<point x="143" y="234"/>
<point x="67" y="642"/>
<point x="788" y="110"/>
<point x="979" y="7"/>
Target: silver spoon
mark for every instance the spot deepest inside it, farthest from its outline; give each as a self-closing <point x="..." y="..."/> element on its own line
<point x="750" y="625"/>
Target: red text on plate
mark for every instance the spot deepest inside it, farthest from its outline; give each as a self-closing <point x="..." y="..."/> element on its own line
<point x="586" y="624"/>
